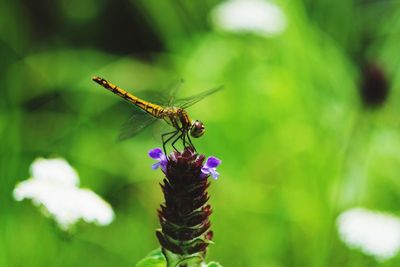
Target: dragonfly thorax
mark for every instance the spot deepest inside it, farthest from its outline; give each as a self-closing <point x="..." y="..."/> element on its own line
<point x="177" y="117"/>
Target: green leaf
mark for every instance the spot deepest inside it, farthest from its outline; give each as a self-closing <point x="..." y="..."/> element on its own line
<point x="153" y="259"/>
<point x="213" y="264"/>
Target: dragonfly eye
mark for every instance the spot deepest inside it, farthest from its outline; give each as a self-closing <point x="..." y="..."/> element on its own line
<point x="197" y="129"/>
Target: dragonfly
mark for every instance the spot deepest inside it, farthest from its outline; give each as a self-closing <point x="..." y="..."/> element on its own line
<point x="173" y="112"/>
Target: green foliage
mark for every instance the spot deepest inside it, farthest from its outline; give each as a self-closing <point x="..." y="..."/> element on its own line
<point x="213" y="264"/>
<point x="153" y="259"/>
<point x="296" y="144"/>
<point x="157" y="259"/>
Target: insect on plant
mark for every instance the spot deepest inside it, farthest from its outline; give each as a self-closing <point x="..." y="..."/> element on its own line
<point x="171" y="110"/>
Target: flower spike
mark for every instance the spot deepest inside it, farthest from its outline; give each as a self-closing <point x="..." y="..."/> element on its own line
<point x="184" y="216"/>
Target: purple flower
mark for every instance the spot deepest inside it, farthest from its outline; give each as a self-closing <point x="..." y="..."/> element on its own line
<point x="210" y="168"/>
<point x="158" y="154"/>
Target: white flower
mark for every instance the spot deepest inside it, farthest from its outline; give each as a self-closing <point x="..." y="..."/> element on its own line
<point x="374" y="233"/>
<point x="256" y="16"/>
<point x="54" y="185"/>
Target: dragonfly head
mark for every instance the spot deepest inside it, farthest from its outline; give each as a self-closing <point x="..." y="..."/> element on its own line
<point x="197" y="129"/>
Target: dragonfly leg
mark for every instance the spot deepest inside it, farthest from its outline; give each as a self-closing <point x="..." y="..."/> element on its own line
<point x="186" y="143"/>
<point x="183" y="139"/>
<point x="166" y="134"/>
<point x="173" y="134"/>
<point x="176" y="139"/>
<point x="190" y="141"/>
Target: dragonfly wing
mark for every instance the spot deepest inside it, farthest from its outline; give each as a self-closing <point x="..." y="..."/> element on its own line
<point x="156" y="97"/>
<point x="136" y="123"/>
<point x="189" y="101"/>
<point x="173" y="92"/>
<point x="162" y="97"/>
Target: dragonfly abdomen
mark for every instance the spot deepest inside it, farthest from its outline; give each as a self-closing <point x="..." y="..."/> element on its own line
<point x="153" y="109"/>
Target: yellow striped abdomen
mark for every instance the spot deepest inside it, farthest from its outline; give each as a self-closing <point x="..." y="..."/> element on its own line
<point x="146" y="106"/>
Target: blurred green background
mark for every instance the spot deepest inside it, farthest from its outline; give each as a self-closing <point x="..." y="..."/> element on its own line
<point x="297" y="142"/>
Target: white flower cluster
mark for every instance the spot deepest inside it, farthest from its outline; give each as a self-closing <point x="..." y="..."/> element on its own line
<point x="256" y="16"/>
<point x="54" y="185"/>
<point x="374" y="233"/>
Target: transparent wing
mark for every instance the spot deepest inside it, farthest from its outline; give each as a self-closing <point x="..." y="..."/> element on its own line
<point x="162" y="97"/>
<point x="136" y="123"/>
<point x="141" y="120"/>
<point x="173" y="92"/>
<point x="189" y="101"/>
<point x="155" y="97"/>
